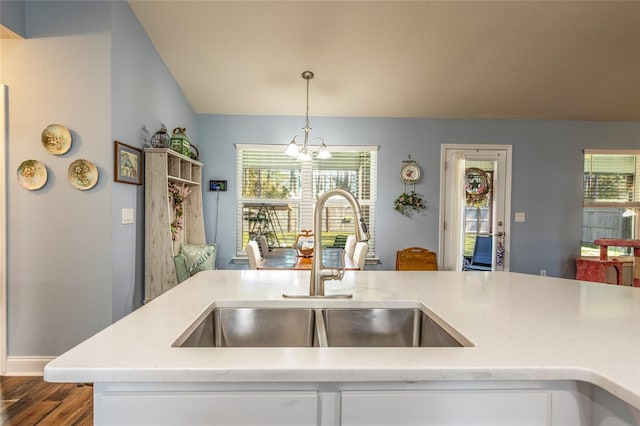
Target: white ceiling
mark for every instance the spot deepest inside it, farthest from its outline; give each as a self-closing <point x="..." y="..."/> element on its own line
<point x="575" y="60"/>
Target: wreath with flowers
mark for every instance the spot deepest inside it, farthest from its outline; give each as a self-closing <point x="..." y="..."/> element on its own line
<point x="409" y="203"/>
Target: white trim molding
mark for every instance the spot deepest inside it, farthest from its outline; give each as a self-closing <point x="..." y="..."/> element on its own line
<point x="27" y="365"/>
<point x="3" y="226"/>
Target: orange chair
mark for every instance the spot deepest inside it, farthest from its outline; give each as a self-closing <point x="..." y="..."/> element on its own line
<point x="416" y="259"/>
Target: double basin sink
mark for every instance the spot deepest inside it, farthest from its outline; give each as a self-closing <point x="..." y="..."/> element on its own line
<point x="295" y="326"/>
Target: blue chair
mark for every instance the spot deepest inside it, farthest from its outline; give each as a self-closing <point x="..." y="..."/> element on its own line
<point x="482" y="254"/>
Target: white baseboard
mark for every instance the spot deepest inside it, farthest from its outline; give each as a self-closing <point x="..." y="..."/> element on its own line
<point x="27" y="365"/>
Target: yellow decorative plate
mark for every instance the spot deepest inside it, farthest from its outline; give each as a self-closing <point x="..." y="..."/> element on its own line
<point x="83" y="174"/>
<point x="56" y="139"/>
<point x="32" y="174"/>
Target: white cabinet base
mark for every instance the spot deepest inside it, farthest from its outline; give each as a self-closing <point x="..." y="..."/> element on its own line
<point x="444" y="408"/>
<point x="205" y="408"/>
<point x="495" y="403"/>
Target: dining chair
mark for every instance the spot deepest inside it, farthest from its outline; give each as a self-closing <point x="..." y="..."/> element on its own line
<point x="360" y="254"/>
<point x="253" y="253"/>
<point x="264" y="246"/>
<point x="350" y="245"/>
<point x="416" y="259"/>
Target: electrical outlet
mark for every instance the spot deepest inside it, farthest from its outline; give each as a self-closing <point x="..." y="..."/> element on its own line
<point x="543" y="272"/>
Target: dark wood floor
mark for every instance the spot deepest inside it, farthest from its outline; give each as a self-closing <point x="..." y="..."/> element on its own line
<point x="27" y="401"/>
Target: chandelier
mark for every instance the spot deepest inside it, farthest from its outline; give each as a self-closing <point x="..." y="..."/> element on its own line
<point x="304" y="153"/>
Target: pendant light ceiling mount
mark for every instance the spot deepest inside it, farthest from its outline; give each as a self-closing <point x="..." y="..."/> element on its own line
<point x="304" y="153"/>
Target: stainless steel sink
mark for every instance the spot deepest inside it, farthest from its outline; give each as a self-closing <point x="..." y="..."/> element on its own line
<point x="403" y="327"/>
<point x="327" y="326"/>
<point x="254" y="327"/>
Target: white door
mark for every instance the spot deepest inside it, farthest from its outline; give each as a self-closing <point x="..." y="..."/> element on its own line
<point x="475" y="198"/>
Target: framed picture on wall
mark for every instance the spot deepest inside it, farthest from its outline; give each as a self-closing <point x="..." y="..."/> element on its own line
<point x="128" y="164"/>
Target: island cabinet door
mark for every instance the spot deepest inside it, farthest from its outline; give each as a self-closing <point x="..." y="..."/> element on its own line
<point x="298" y="408"/>
<point x="444" y="408"/>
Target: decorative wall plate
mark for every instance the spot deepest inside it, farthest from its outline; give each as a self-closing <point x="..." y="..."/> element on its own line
<point x="56" y="139"/>
<point x="83" y="174"/>
<point x="32" y="174"/>
<point x="410" y="171"/>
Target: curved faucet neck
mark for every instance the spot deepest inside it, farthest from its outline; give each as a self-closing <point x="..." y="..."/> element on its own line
<point x="318" y="272"/>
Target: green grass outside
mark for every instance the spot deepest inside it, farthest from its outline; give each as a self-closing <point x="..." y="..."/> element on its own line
<point x="290" y="238"/>
<point x="329" y="237"/>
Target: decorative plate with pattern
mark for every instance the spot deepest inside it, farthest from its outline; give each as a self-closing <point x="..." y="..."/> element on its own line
<point x="32" y="174"/>
<point x="56" y="139"/>
<point x="83" y="174"/>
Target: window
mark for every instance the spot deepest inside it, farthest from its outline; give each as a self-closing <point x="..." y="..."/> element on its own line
<point x="277" y="194"/>
<point x="611" y="199"/>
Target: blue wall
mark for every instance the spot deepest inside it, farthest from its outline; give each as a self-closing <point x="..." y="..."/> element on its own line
<point x="59" y="277"/>
<point x="144" y="94"/>
<point x="73" y="267"/>
<point x="546" y="184"/>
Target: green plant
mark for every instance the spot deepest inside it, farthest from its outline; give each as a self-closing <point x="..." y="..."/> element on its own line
<point x="410" y="203"/>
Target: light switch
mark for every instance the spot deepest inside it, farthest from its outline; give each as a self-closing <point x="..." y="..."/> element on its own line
<point x="127" y="216"/>
<point x="520" y="217"/>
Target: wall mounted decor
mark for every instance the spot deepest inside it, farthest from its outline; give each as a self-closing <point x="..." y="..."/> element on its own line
<point x="83" y="174"/>
<point x="410" y="171"/>
<point x="56" y="139"/>
<point x="476" y="185"/>
<point x="32" y="174"/>
<point x="128" y="164"/>
<point x="409" y="202"/>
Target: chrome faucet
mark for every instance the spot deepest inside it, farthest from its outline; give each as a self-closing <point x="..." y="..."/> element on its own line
<point x="320" y="274"/>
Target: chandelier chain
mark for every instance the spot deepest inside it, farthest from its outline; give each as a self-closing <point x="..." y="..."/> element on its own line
<point x="307" y="103"/>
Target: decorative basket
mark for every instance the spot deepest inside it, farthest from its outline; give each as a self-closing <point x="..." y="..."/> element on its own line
<point x="161" y="139"/>
<point x="179" y="141"/>
<point x="304" y="243"/>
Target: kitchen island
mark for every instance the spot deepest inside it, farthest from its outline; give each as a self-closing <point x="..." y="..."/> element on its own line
<point x="542" y="351"/>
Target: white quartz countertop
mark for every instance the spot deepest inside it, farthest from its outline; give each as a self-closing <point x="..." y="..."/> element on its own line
<point x="523" y="327"/>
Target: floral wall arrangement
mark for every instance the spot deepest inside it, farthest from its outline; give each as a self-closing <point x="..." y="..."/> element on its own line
<point x="177" y="196"/>
<point x="409" y="203"/>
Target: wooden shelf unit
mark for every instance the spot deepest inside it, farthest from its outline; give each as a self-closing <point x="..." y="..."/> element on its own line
<point x="163" y="165"/>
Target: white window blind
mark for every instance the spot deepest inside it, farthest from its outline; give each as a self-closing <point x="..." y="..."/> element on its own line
<point x="611" y="197"/>
<point x="611" y="179"/>
<point x="277" y="194"/>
